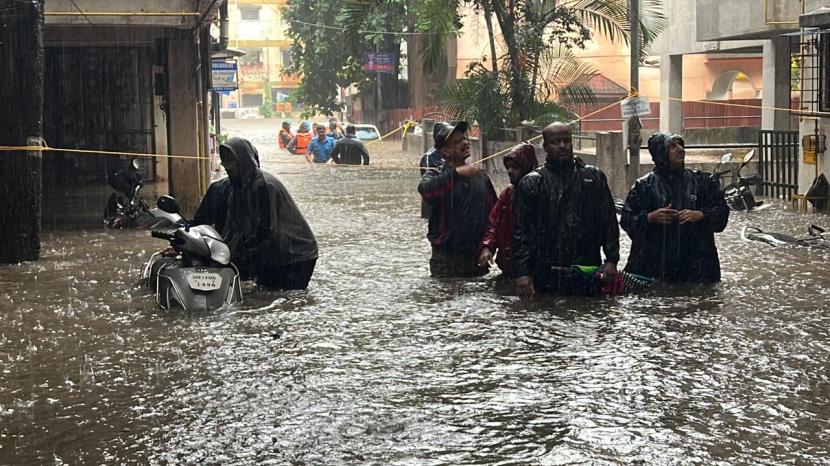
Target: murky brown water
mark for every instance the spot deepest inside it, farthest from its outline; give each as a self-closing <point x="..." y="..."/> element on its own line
<point x="379" y="364"/>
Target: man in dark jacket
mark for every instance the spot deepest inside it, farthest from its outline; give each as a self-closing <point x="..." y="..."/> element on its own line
<point x="459" y="197"/>
<point x="264" y="229"/>
<point x="498" y="237"/>
<point x="672" y="215"/>
<point x="350" y="150"/>
<point x="563" y="214"/>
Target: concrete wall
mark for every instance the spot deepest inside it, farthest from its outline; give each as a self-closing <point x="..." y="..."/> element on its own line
<point x="745" y="19"/>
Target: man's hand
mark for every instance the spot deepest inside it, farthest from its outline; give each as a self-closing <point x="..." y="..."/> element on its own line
<point x="690" y="216"/>
<point x="485" y="258"/>
<point x="662" y="216"/>
<point x="609" y="268"/>
<point x="468" y="170"/>
<point x="169" y="252"/>
<point x="524" y="287"/>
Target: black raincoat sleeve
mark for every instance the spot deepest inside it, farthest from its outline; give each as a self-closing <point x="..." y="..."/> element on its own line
<point x="634" y="218"/>
<point x="610" y="234"/>
<point x="214" y="206"/>
<point x="364" y="154"/>
<point x="337" y="152"/>
<point x="434" y="184"/>
<point x="525" y="224"/>
<point x="714" y="208"/>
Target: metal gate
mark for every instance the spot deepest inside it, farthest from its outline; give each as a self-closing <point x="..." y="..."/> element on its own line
<point x="778" y="163"/>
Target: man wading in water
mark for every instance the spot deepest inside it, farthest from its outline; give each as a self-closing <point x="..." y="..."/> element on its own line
<point x="459" y="198"/>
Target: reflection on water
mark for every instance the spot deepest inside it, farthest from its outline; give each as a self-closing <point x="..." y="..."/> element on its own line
<point x="379" y="364"/>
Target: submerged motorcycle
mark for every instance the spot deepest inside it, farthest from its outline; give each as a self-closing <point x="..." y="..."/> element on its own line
<point x="126" y="209"/>
<point x="201" y="277"/>
<point x="816" y="237"/>
<point x="738" y="195"/>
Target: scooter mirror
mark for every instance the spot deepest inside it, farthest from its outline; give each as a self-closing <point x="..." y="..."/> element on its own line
<point x="749" y="155"/>
<point x="168" y="204"/>
<point x="134" y="163"/>
<point x="726" y="158"/>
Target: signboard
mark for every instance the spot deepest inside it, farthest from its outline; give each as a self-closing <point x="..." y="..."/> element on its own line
<point x="223" y="76"/>
<point x="380" y="62"/>
<point x="635" y="106"/>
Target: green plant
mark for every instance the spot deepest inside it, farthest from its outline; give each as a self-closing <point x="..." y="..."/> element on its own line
<point x="267" y="108"/>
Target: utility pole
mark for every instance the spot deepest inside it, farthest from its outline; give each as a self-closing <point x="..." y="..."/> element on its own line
<point x="634" y="122"/>
<point x="21" y="117"/>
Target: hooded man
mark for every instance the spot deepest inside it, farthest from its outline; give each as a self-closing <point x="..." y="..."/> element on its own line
<point x="459" y="198"/>
<point x="563" y="213"/>
<point x="672" y="215"/>
<point x="213" y="210"/>
<point x="267" y="235"/>
<point x="499" y="233"/>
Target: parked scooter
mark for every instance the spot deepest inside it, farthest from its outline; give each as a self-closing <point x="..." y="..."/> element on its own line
<point x="201" y="277"/>
<point x="739" y="194"/>
<point x="126" y="209"/>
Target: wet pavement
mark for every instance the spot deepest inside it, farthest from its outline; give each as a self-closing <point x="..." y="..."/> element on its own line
<point x="377" y="363"/>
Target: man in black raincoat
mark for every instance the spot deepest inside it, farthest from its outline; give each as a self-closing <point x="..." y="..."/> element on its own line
<point x="459" y="198"/>
<point x="267" y="234"/>
<point x="214" y="206"/>
<point x="563" y="213"/>
<point x="672" y="215"/>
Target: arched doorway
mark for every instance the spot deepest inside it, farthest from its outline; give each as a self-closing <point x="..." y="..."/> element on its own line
<point x="732" y="84"/>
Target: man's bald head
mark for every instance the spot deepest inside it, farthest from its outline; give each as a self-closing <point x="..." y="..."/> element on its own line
<point x="555" y="128"/>
<point x="558" y="143"/>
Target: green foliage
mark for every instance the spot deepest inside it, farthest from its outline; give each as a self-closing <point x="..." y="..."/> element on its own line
<point x="267" y="108"/>
<point x="328" y="52"/>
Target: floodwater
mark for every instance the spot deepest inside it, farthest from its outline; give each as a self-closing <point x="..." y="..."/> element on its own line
<point x="377" y="363"/>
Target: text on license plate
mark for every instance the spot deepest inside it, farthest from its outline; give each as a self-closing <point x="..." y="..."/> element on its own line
<point x="204" y="281"/>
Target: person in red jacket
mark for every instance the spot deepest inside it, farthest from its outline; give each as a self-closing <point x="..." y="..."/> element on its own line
<point x="498" y="235"/>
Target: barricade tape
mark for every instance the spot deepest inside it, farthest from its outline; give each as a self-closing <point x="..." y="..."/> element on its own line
<point x="405" y="127"/>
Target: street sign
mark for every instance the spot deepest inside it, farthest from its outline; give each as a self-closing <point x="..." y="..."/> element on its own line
<point x="635" y="106"/>
<point x="223" y="76"/>
<point x="380" y="62"/>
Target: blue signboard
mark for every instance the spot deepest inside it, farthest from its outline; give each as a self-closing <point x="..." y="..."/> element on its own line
<point x="224" y="76"/>
<point x="380" y="62"/>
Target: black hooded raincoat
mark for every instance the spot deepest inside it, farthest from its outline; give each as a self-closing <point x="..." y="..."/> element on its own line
<point x="264" y="228"/>
<point x="674" y="252"/>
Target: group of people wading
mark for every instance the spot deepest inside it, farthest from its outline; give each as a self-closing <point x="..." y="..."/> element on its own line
<point x="555" y="229"/>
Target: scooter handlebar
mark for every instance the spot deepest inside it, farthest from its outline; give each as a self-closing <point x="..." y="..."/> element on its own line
<point x="162" y="235"/>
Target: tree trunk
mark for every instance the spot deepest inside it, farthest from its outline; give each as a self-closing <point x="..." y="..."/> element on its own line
<point x="517" y="83"/>
<point x="488" y="20"/>
<point x="21" y="117"/>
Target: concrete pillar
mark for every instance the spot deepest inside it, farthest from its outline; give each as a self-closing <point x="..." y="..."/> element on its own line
<point x="671" y="86"/>
<point x="427" y="124"/>
<point x="611" y="159"/>
<point x="776" y="83"/>
<point x="183" y="126"/>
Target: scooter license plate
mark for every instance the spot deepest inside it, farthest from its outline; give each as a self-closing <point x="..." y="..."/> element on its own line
<point x="204" y="281"/>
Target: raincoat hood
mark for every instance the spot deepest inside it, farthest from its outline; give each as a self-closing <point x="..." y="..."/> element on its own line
<point x="246" y="158"/>
<point x="658" y="146"/>
<point x="524" y="155"/>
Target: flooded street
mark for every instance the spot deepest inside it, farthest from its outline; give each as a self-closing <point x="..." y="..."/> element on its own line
<point x="377" y="363"/>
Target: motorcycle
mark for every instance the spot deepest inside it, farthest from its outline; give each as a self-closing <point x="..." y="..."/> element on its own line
<point x="816" y="237"/>
<point x="201" y="277"/>
<point x="739" y="194"/>
<point x="126" y="209"/>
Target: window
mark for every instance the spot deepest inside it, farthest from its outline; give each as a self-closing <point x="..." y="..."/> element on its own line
<point x="252" y="100"/>
<point x="249" y="13"/>
<point x="251" y="57"/>
<point x="286" y="57"/>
